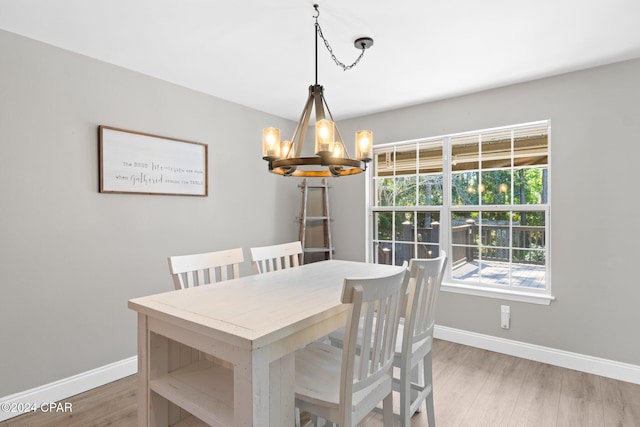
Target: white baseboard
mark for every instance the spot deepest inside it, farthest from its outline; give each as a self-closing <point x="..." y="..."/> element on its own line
<point x="67" y="387"/>
<point x="565" y="359"/>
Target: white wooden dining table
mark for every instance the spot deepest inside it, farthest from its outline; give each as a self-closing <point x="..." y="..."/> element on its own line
<point x="252" y="327"/>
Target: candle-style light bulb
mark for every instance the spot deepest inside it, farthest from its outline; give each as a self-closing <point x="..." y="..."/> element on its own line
<point x="285" y="149"/>
<point x="364" y="145"/>
<point x="325" y="139"/>
<point x="270" y="143"/>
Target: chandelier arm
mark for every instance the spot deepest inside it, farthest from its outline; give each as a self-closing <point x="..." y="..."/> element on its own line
<point x="297" y="129"/>
<point x="344" y="147"/>
<point x="303" y="124"/>
<point x="324" y="100"/>
<point x="319" y="102"/>
<point x="295" y="134"/>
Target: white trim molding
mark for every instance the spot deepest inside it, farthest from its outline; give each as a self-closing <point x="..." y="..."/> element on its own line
<point x="565" y="359"/>
<point x="66" y="387"/>
<point x="505" y="294"/>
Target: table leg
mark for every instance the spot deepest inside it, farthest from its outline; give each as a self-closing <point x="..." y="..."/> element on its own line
<point x="250" y="386"/>
<point x="281" y="391"/>
<point x="264" y="392"/>
<point x="143" y="372"/>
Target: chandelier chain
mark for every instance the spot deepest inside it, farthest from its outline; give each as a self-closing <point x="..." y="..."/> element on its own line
<point x="333" y="56"/>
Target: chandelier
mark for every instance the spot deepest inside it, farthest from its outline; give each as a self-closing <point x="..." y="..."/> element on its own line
<point x="331" y="156"/>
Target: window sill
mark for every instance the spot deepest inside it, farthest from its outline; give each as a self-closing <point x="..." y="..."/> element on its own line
<point x="505" y="294"/>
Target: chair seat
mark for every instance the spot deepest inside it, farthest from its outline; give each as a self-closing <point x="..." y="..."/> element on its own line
<point x="318" y="369"/>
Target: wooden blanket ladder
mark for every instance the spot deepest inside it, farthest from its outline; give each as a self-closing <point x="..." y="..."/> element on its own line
<point x="315" y="222"/>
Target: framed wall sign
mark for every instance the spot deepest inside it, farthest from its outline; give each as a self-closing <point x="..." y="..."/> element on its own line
<point x="140" y="163"/>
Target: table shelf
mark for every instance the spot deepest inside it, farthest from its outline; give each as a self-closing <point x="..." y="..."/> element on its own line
<point x="204" y="389"/>
<point x="191" y="422"/>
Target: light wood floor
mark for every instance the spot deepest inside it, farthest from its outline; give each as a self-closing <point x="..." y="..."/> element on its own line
<point x="473" y="387"/>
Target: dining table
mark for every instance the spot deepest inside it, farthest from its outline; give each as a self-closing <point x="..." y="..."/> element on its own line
<point x="224" y="353"/>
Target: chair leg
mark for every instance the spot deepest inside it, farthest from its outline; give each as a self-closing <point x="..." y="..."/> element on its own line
<point x="428" y="380"/>
<point x="431" y="416"/>
<point x="387" y="410"/>
<point x="405" y="396"/>
<point x="418" y="376"/>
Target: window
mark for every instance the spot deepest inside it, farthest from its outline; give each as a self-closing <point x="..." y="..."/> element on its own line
<point x="482" y="196"/>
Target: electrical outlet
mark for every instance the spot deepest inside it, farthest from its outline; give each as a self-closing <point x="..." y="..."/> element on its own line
<point x="505" y="316"/>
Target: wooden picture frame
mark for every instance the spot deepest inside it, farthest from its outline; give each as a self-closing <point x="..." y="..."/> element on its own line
<point x="141" y="163"/>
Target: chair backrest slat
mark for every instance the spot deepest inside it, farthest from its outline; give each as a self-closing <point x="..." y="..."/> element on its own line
<point x="222" y="272"/>
<point x="205" y="268"/>
<point x="276" y="257"/>
<point x="201" y="276"/>
<point x="365" y="343"/>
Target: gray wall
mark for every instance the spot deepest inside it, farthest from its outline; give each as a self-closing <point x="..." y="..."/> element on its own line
<point x="71" y="257"/>
<point x="595" y="126"/>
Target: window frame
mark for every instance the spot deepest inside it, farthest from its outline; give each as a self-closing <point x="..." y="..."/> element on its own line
<point x="510" y="292"/>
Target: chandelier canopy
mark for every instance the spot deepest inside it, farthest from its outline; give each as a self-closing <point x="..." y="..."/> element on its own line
<point x="331" y="156"/>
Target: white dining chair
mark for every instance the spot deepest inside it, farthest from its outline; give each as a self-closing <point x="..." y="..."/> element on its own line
<point x="276" y="257"/>
<point x="205" y="268"/>
<point x="413" y="352"/>
<point x="415" y="339"/>
<point x="341" y="385"/>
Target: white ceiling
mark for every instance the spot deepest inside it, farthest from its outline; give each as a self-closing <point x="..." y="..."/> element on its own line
<point x="261" y="53"/>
